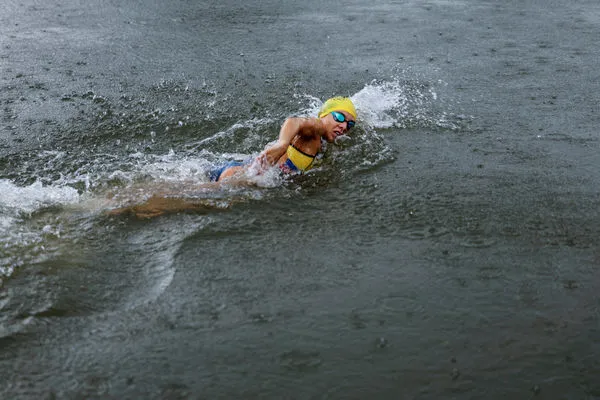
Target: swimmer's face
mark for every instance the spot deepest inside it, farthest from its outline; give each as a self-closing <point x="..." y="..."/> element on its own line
<point x="336" y="124"/>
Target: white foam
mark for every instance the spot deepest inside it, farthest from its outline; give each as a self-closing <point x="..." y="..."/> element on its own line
<point x="313" y="106"/>
<point x="27" y="199"/>
<point x="380" y="104"/>
<point x="266" y="178"/>
<point x="17" y="202"/>
<point x="173" y="167"/>
<point x="252" y="124"/>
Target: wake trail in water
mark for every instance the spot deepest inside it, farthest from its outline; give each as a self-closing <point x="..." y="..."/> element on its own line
<point x="92" y="181"/>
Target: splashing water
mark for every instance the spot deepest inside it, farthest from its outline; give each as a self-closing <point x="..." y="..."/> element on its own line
<point x="78" y="177"/>
<point x="377" y="104"/>
<point x="17" y="242"/>
<point x="17" y="199"/>
<point x="383" y="105"/>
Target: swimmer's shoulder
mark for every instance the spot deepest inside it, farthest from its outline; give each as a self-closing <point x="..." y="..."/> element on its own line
<point x="310" y="127"/>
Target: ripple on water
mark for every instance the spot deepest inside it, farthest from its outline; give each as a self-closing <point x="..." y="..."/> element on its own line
<point x="423" y="232"/>
<point x="92" y="272"/>
<point x="300" y="360"/>
<point x="477" y="241"/>
<point x="407" y="304"/>
<point x="134" y="266"/>
<point x="21" y="300"/>
<point x="419" y="217"/>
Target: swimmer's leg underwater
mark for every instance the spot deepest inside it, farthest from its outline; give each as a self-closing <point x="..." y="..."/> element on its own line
<point x="227" y="170"/>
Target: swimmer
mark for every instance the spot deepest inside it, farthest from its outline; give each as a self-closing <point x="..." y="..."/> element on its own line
<point x="300" y="140"/>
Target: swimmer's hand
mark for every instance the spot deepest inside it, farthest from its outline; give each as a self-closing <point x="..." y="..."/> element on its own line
<point x="306" y="127"/>
<point x="272" y="154"/>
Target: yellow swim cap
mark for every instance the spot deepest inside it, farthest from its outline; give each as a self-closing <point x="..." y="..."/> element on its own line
<point x="338" y="104"/>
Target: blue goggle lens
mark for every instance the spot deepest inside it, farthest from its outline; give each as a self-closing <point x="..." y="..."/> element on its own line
<point x="339" y="117"/>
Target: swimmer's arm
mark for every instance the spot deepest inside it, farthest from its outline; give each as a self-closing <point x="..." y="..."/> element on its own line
<point x="308" y="127"/>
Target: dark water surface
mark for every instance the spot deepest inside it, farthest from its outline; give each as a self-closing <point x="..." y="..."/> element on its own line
<point x="448" y="249"/>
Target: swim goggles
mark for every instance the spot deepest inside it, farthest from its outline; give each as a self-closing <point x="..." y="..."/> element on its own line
<point x="339" y="117"/>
